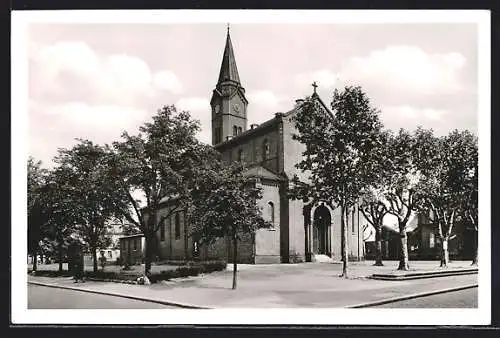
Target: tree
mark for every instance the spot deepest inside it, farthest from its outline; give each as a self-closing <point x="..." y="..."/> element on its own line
<point x="447" y="183"/>
<point x="157" y="164"/>
<point x="225" y="207"/>
<point x="374" y="210"/>
<point x="373" y="203"/>
<point x="340" y="156"/>
<point x="470" y="202"/>
<point x="91" y="191"/>
<point x="37" y="211"/>
<point x="61" y="214"/>
<point x="404" y="152"/>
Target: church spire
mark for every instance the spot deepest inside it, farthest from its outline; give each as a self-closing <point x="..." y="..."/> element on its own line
<point x="228" y="70"/>
<point x="229" y="104"/>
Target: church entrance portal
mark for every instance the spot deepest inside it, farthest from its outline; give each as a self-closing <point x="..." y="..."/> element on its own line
<point x="321" y="231"/>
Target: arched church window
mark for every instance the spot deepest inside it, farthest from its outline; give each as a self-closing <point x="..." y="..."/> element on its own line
<point x="265" y="150"/>
<point x="239" y="130"/>
<point x="270" y="212"/>
<point x="235" y="130"/>
<point x="241" y="155"/>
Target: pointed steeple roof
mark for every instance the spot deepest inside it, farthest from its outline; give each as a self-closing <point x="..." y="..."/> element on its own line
<point x="228" y="69"/>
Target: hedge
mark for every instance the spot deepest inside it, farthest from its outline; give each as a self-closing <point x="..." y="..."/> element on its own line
<point x="190" y="269"/>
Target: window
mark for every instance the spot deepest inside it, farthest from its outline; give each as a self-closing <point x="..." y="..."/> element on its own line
<point x="110" y="254"/>
<point x="241" y="155"/>
<point x="239" y="130"/>
<point x="235" y="130"/>
<point x="162" y="231"/>
<point x="177" y="225"/>
<point x="431" y="240"/>
<point x="270" y="212"/>
<point x="265" y="150"/>
<point x="135" y="244"/>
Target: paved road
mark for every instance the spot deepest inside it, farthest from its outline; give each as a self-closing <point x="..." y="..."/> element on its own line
<point x="41" y="297"/>
<point x="457" y="299"/>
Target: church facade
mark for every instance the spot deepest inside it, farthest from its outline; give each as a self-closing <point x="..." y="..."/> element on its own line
<point x="301" y="232"/>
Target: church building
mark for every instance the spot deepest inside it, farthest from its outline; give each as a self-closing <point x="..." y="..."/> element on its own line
<point x="301" y="232"/>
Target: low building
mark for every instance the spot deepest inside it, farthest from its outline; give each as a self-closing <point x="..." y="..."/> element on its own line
<point x="460" y="245"/>
<point x="391" y="240"/>
<point x="111" y="252"/>
<point x="423" y="241"/>
<point x="132" y="249"/>
<point x="112" y="256"/>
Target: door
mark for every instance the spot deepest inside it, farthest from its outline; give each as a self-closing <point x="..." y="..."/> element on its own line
<point x="322" y="223"/>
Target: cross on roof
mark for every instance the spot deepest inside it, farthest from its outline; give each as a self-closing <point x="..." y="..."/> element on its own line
<point x="314" y="86"/>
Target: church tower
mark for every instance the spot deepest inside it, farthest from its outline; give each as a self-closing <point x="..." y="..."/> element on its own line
<point x="229" y="104"/>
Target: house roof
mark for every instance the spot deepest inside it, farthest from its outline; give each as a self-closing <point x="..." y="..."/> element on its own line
<point x="261" y="172"/>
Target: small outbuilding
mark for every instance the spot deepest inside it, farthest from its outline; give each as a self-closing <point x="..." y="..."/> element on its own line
<point x="132" y="249"/>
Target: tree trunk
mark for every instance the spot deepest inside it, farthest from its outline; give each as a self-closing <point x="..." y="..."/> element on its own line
<point x="403" y="259"/>
<point x="378" y="241"/>
<point x="35" y="261"/>
<point x="345" y="234"/>
<point x="235" y="265"/>
<point x="148" y="255"/>
<point x="474" y="258"/>
<point x="306" y="242"/>
<point x="445" y="255"/>
<point x="59" y="257"/>
<point x="94" y="258"/>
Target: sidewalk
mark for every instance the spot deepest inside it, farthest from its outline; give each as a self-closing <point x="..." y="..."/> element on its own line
<point x="278" y="286"/>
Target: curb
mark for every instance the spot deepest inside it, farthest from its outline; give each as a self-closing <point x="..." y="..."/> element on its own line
<point x="181" y="305"/>
<point x="427" y="274"/>
<point x="119" y="281"/>
<point x="412" y="296"/>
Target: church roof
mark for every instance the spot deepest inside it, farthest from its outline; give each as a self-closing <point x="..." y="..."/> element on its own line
<point x="228" y="69"/>
<point x="270" y="122"/>
<point x="261" y="172"/>
<point x="317" y="98"/>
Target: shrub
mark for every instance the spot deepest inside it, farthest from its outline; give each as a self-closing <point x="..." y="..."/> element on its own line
<point x="110" y="275"/>
<point x="189" y="269"/>
<point x="52" y="273"/>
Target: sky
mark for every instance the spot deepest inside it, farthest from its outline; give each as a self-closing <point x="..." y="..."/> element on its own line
<point x="95" y="80"/>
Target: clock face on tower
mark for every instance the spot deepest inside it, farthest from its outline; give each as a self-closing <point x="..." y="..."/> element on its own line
<point x="217" y="109"/>
<point x="236" y="108"/>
